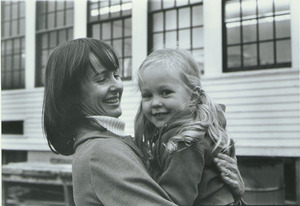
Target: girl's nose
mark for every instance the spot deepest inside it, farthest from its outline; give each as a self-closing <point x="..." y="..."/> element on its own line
<point x="156" y="102"/>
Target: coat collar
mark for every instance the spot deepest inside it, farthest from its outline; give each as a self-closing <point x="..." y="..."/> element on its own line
<point x="107" y="134"/>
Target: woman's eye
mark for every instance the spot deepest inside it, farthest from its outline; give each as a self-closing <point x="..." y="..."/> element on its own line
<point x="100" y="79"/>
<point x="117" y="75"/>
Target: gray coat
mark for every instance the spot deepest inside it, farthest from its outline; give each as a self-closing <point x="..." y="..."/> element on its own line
<point x="108" y="170"/>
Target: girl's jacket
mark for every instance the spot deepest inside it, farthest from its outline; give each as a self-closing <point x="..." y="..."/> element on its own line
<point x="189" y="174"/>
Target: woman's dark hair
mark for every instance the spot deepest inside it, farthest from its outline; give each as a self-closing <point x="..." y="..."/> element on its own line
<point x="65" y="70"/>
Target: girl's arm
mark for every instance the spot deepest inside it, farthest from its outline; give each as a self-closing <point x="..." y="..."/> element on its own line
<point x="182" y="172"/>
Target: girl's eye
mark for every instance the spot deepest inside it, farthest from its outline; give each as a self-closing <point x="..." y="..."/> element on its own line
<point x="166" y="92"/>
<point x="146" y="96"/>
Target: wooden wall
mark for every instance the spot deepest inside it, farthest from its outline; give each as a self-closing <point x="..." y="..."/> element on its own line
<point x="262" y="111"/>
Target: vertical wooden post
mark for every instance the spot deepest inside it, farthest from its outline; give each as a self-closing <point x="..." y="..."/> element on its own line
<point x="297" y="170"/>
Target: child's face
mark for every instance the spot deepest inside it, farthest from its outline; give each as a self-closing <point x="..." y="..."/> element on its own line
<point x="162" y="95"/>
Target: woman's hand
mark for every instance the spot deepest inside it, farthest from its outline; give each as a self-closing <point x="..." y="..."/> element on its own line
<point x="230" y="174"/>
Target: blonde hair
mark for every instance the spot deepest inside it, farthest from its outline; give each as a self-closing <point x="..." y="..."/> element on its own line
<point x="209" y="117"/>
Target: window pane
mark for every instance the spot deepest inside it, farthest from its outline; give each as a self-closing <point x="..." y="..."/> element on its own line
<point x="16" y="78"/>
<point x="234" y="56"/>
<point x="232" y="9"/>
<point x="266" y="28"/>
<point x="250" y="55"/>
<point x="60" y="5"/>
<point x="197" y="16"/>
<point x="249" y="30"/>
<point x="117" y="29"/>
<point x="69" y="17"/>
<point x="283" y="51"/>
<point x="21" y="26"/>
<point x="265" y="7"/>
<point x="170" y="20"/>
<point x="168" y="4"/>
<point x="127" y="49"/>
<point x="41" y="22"/>
<point x="96" y="31"/>
<point x="5" y="29"/>
<point x="14" y="27"/>
<point x="62" y="36"/>
<point x="198" y="38"/>
<point x="51" y="6"/>
<point x="283" y="26"/>
<point x="44" y="39"/>
<point x="117" y="45"/>
<point x="233" y="33"/>
<point x="16" y="59"/>
<point x="158" y="41"/>
<point x="127" y="27"/>
<point x="266" y="52"/>
<point x="181" y="2"/>
<point x="185" y="39"/>
<point x="126" y="8"/>
<point x="155" y="5"/>
<point x="158" y="22"/>
<point x="53" y="39"/>
<point x="184" y="18"/>
<point x="51" y="19"/>
<point x="171" y="41"/>
<point x="60" y="18"/>
<point x="282" y="5"/>
<point x="249" y="8"/>
<point x="106" y="31"/>
<point x="127" y="67"/>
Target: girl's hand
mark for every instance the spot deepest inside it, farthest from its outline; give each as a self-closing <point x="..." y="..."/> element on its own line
<point x="230" y="174"/>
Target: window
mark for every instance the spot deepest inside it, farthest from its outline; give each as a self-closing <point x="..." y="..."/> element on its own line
<point x="256" y="34"/>
<point x="110" y="21"/>
<point x="54" y="24"/>
<point x="13" y="44"/>
<point x="177" y="23"/>
<point x="12" y="127"/>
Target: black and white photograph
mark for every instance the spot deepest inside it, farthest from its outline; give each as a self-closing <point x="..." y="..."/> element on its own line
<point x="150" y="102"/>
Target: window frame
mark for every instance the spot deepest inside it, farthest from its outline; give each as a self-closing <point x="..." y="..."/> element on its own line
<point x="257" y="42"/>
<point x="13" y="37"/>
<point x="110" y="19"/>
<point x="51" y="33"/>
<point x="176" y="7"/>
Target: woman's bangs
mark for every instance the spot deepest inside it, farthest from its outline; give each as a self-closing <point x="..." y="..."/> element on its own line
<point x="107" y="58"/>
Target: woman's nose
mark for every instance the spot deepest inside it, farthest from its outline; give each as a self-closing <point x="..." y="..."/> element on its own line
<point x="116" y="84"/>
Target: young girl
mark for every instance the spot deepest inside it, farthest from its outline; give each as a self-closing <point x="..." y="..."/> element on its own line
<point x="182" y="130"/>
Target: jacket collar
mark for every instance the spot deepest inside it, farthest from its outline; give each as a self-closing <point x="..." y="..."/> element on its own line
<point x="107" y="134"/>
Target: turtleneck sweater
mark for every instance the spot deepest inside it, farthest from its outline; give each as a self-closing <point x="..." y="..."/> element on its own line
<point x="112" y="124"/>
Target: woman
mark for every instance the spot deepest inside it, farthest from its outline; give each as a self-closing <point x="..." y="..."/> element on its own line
<point x="83" y="82"/>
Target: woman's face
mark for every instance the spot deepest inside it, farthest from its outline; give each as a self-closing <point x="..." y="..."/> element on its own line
<point x="102" y="92"/>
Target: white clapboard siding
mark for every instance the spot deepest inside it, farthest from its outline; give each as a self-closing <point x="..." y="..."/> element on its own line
<point x="130" y="104"/>
<point x="262" y="110"/>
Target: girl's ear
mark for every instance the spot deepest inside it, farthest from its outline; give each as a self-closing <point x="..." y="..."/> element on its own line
<point x="196" y="94"/>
